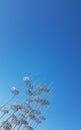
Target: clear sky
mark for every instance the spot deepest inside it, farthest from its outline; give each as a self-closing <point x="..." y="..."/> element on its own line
<point x="44" y="36"/>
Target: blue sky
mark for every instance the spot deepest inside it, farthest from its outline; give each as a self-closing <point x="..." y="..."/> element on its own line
<point x="44" y="36"/>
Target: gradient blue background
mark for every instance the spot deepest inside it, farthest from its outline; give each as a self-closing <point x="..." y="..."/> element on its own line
<point x="44" y="36"/>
